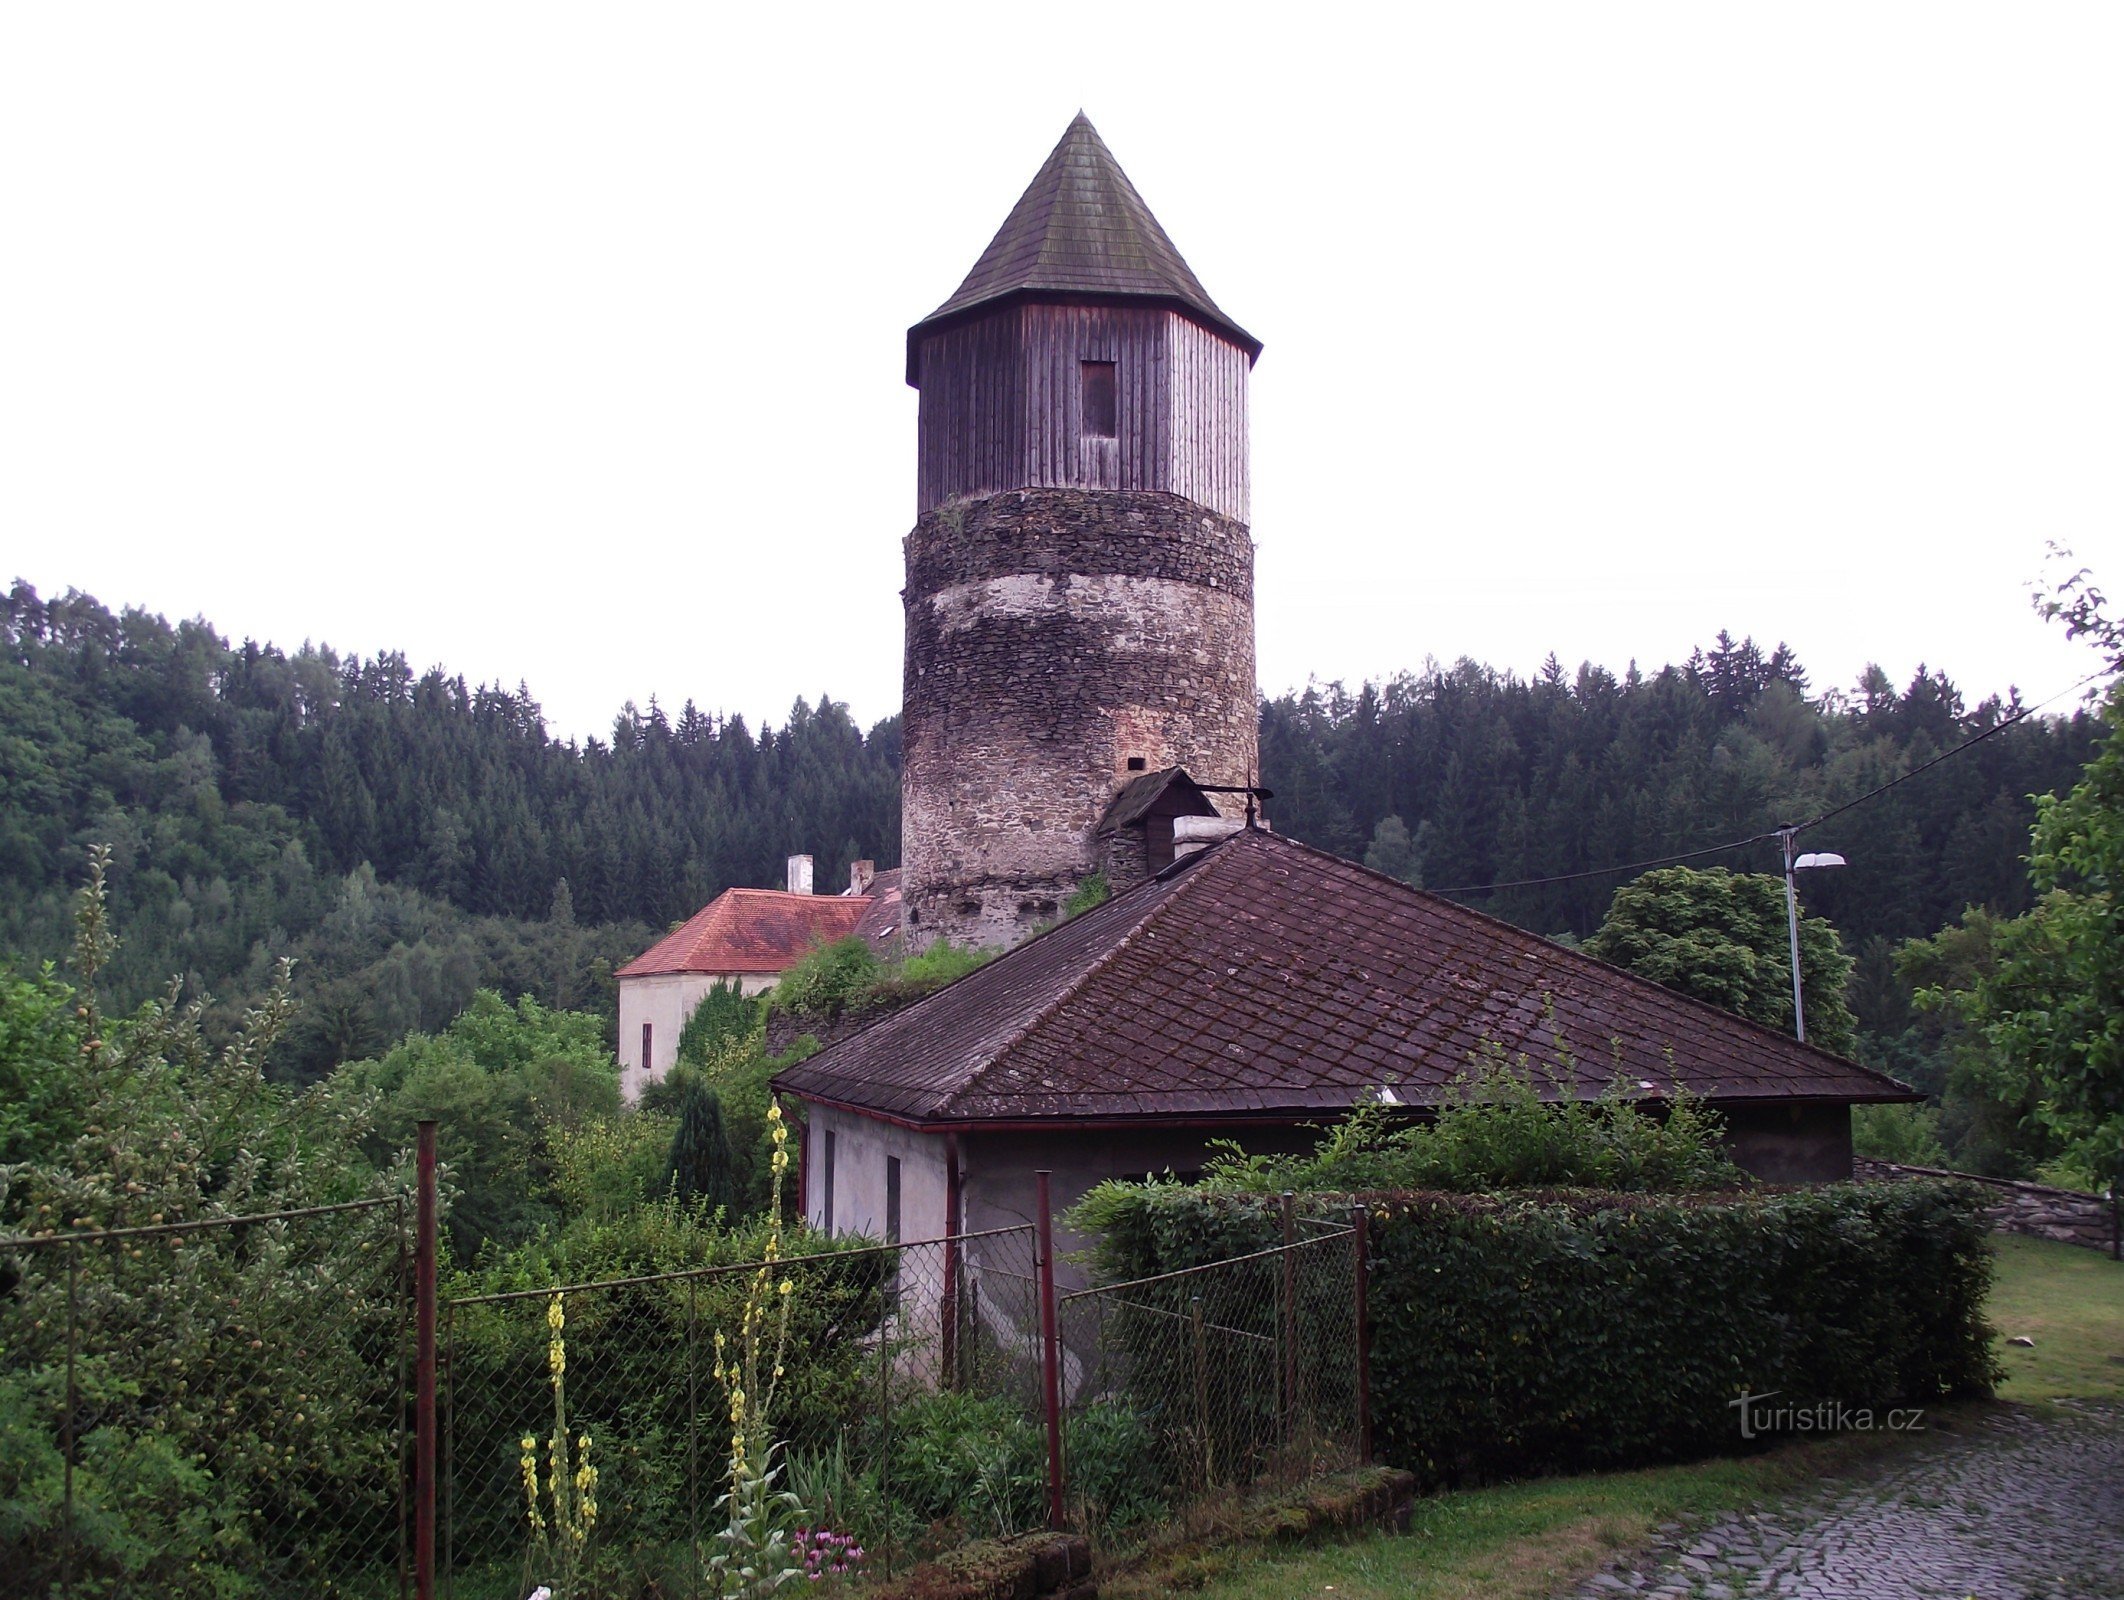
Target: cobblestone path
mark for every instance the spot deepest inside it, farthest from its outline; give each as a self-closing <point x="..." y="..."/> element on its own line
<point x="2012" y="1507"/>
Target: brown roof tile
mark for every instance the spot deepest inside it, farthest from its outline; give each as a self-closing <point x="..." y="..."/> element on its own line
<point x="1263" y="976"/>
<point x="751" y="930"/>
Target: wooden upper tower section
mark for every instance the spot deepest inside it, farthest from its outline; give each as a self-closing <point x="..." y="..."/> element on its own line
<point x="1082" y="352"/>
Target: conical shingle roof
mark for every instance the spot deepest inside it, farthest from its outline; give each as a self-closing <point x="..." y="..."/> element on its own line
<point x="1081" y="230"/>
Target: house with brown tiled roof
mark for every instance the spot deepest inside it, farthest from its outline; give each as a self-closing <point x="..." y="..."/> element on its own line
<point x="1256" y="990"/>
<point x="747" y="938"/>
<point x="1079" y="699"/>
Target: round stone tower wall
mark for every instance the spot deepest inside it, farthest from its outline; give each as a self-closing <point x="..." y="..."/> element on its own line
<point x="1055" y="636"/>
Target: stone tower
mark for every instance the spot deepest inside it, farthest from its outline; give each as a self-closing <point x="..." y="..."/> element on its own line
<point x="1080" y="577"/>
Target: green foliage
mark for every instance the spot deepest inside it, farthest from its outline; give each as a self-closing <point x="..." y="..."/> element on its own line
<point x="1395" y="852"/>
<point x="1502" y="778"/>
<point x="233" y="1382"/>
<point x="847" y="976"/>
<point x="42" y="1041"/>
<point x="406" y="837"/>
<point x="2049" y="1009"/>
<point x="942" y="963"/>
<point x="1506" y="1125"/>
<point x="632" y="1349"/>
<point x="979" y="1460"/>
<point x="498" y="1079"/>
<point x="606" y="1167"/>
<point x="1909" y="1135"/>
<point x="1723" y="938"/>
<point x="724" y="1016"/>
<point x="1522" y="1334"/>
<point x="825" y="981"/>
<point x="698" y="1170"/>
<point x="1092" y="891"/>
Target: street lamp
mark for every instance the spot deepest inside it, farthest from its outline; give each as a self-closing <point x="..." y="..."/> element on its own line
<point x="1794" y="865"/>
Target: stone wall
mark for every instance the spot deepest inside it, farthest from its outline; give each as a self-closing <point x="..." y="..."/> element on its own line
<point x="1054" y="635"/>
<point x="2034" y="1209"/>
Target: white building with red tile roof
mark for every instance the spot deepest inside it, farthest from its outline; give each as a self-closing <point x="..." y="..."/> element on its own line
<point x="744" y="937"/>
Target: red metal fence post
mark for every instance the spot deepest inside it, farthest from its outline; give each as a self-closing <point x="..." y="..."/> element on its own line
<point x="1361" y="1230"/>
<point x="1290" y="1320"/>
<point x="424" y="1367"/>
<point x="1050" y="1344"/>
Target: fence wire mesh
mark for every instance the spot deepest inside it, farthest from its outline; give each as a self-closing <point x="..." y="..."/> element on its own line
<point x="1183" y="1392"/>
<point x="208" y="1408"/>
<point x="905" y="1411"/>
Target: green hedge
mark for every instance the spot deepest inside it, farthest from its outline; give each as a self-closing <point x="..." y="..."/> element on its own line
<point x="1516" y="1334"/>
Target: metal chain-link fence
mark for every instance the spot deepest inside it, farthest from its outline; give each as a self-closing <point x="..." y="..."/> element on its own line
<point x="904" y="1410"/>
<point x="1184" y="1391"/>
<point x="207" y="1408"/>
<point x="228" y="1407"/>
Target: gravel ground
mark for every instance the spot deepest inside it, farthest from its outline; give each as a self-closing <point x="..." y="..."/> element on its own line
<point x="2014" y="1506"/>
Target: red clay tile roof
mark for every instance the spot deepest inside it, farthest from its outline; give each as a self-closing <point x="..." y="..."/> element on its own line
<point x="1080" y="230"/>
<point x="751" y="930"/>
<point x="1266" y="978"/>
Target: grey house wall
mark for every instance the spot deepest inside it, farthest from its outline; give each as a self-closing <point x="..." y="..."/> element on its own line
<point x="998" y="1168"/>
<point x="1791" y="1143"/>
<point x="861" y="1148"/>
<point x="1779" y="1144"/>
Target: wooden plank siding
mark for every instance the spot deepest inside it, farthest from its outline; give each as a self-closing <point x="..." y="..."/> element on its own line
<point x="1003" y="406"/>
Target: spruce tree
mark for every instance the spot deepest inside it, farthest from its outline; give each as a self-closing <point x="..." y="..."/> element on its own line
<point x="699" y="1166"/>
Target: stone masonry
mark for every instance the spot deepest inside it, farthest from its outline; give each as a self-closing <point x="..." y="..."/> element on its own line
<point x="2034" y="1209"/>
<point x="1053" y="635"/>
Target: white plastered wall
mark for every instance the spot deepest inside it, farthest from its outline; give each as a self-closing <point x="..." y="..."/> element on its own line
<point x="664" y="1001"/>
<point x="861" y="1146"/>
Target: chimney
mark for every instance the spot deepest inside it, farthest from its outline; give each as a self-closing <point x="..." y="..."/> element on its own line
<point x="800" y="874"/>
<point x="861" y="875"/>
<point x="1193" y="834"/>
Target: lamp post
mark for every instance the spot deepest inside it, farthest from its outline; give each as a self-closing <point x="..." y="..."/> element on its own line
<point x="1794" y="865"/>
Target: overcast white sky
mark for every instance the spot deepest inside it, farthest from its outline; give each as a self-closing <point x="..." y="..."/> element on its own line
<point x="564" y="343"/>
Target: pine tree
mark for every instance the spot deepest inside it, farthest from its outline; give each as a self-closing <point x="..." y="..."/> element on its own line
<point x="699" y="1166"/>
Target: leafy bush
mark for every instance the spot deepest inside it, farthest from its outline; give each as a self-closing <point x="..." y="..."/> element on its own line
<point x="1501" y="1130"/>
<point x="980" y="1461"/>
<point x="724" y="1016"/>
<point x="235" y="1386"/>
<point x="1544" y="1333"/>
<point x="828" y="979"/>
<point x="1095" y="890"/>
<point x="1906" y="1134"/>
<point x="499" y="1078"/>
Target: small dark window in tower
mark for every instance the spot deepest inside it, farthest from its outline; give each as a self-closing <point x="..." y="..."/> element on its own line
<point x="1098" y="399"/>
<point x="645" y="1046"/>
<point x="1137" y="763"/>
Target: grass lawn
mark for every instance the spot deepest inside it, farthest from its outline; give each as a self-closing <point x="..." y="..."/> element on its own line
<point x="2070" y="1301"/>
<point x="1525" y="1541"/>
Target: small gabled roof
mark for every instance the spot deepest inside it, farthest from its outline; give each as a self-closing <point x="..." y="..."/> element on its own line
<point x="1265" y="979"/>
<point x="1081" y="231"/>
<point x="751" y="930"/>
<point x="1141" y="794"/>
<point x="884" y="911"/>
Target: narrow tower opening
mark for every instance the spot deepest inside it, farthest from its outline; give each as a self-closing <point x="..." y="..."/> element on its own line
<point x="1099" y="420"/>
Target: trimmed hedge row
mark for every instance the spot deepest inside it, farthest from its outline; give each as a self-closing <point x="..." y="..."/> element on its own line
<point x="1516" y="1334"/>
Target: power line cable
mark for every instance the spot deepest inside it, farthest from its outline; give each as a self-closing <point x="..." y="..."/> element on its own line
<point x="1799" y="827"/>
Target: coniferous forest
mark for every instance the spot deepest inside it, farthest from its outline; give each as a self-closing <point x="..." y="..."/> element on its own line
<point x="409" y="839"/>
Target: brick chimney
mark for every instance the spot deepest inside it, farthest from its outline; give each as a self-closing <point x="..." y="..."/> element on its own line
<point x="800" y="874"/>
<point x="861" y="875"/>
